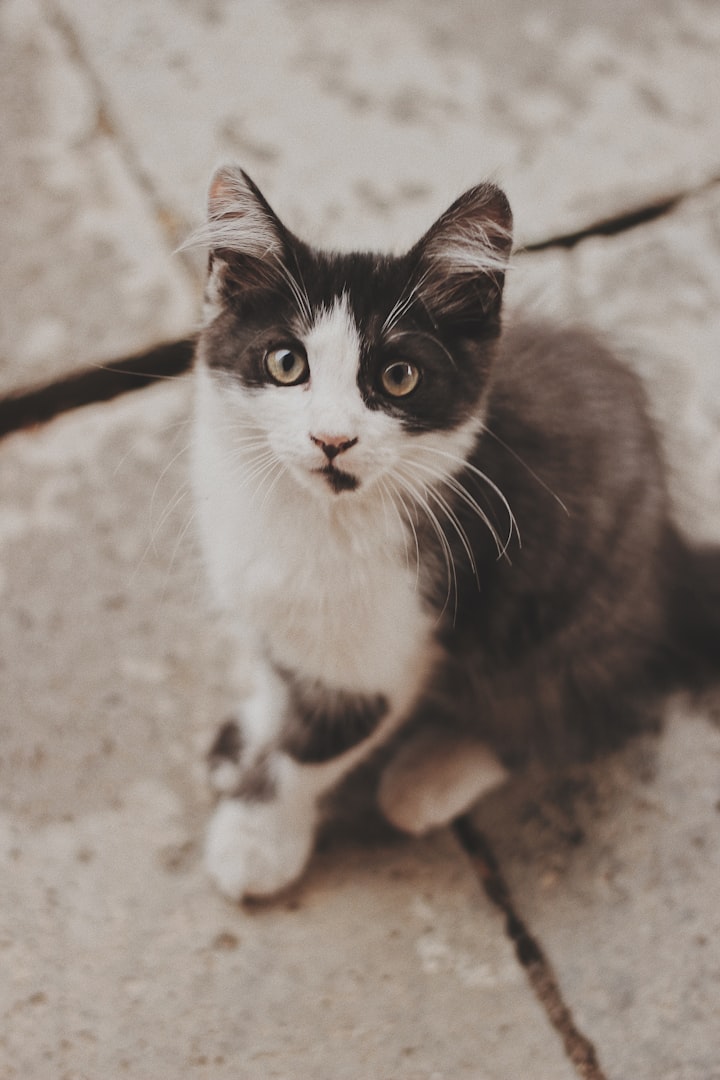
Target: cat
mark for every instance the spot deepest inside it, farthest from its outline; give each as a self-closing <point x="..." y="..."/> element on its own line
<point x="417" y="519"/>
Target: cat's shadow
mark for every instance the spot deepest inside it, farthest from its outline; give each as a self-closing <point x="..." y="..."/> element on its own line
<point x="556" y="825"/>
<point x="575" y="832"/>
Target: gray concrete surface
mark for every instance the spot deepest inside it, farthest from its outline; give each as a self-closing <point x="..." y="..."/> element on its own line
<point x="118" y="958"/>
<point x="361" y="122"/>
<point x="87" y="273"/>
<point x="364" y="119"/>
<point x="617" y="870"/>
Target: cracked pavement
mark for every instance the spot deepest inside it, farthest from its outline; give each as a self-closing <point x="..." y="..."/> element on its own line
<point x="571" y="927"/>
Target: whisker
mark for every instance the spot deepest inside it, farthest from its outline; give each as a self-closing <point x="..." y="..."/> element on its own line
<point x="163" y="430"/>
<point x="176" y="499"/>
<point x="247" y="455"/>
<point x="298" y="291"/>
<point x="422" y="502"/>
<point x="163" y="474"/>
<point x="180" y="495"/>
<point x="244" y="439"/>
<point x="466" y="465"/>
<point x="384" y="497"/>
<point x="434" y="339"/>
<point x="181" y="537"/>
<point x="413" y="531"/>
<point x="403" y="304"/>
<point x="453" y="519"/>
<point x="260" y="469"/>
<point x="525" y="465"/>
<point x="282" y="469"/>
<point x="455" y="486"/>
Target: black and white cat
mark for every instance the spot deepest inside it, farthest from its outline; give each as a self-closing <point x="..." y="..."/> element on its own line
<point x="413" y="518"/>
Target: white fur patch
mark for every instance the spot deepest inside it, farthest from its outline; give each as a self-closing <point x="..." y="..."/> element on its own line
<point x="322" y="583"/>
<point x="335" y="406"/>
<point x="256" y="849"/>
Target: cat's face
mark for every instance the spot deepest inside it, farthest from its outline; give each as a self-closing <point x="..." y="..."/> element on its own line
<point x="352" y="373"/>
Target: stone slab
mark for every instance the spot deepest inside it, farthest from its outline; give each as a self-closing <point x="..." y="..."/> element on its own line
<point x="361" y="121"/>
<point x="616" y="869"/>
<point x="87" y="273"/>
<point x="112" y="681"/>
<point x="118" y="958"/>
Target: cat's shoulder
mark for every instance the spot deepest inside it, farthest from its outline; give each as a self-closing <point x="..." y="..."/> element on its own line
<point x="570" y="368"/>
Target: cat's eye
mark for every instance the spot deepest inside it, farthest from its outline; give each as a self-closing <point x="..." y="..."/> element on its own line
<point x="400" y="378"/>
<point x="287" y="366"/>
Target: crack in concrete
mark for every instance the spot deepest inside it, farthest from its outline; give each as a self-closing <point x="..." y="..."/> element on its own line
<point x="579" y="1049"/>
<point x="622" y="223"/>
<point x="174" y="229"/>
<point x="92" y="385"/>
<point x="131" y="373"/>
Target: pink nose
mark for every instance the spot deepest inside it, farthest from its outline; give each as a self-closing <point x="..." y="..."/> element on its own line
<point x="332" y="445"/>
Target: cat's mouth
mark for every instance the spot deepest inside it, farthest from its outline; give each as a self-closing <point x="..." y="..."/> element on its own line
<point x="339" y="480"/>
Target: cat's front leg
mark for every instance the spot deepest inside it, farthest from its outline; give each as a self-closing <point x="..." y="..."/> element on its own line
<point x="262" y="831"/>
<point x="294" y="742"/>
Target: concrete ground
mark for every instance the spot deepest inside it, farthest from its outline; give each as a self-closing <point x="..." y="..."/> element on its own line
<point x="572" y="927"/>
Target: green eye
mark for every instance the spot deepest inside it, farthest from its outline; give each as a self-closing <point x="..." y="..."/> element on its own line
<point x="400" y="378"/>
<point x="287" y="367"/>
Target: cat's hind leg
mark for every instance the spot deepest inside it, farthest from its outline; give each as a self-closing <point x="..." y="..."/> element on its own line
<point x="434" y="777"/>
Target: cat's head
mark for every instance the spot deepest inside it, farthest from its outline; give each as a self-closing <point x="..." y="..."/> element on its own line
<point x="351" y="371"/>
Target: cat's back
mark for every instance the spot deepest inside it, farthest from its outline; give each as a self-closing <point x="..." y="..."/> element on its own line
<point x="575" y="616"/>
<point x="569" y="442"/>
<point x="574" y="412"/>
<point x="566" y="376"/>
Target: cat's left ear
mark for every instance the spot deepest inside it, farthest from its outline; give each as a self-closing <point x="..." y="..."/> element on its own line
<point x="461" y="260"/>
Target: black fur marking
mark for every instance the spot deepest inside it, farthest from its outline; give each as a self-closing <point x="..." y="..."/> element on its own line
<point x="454" y="372"/>
<point x="454" y="350"/>
<point x="228" y="744"/>
<point x="323" y="724"/>
<point x="557" y="654"/>
<point x="339" y="480"/>
<point x="257" y="784"/>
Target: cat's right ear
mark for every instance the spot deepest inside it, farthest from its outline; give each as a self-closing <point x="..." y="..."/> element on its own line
<point x="239" y="219"/>
<point x="242" y="232"/>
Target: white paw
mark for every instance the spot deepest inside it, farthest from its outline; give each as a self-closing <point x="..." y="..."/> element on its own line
<point x="257" y="848"/>
<point x="434" y="778"/>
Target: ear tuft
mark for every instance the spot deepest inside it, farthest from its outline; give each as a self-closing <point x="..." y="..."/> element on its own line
<point x="239" y="220"/>
<point x="463" y="257"/>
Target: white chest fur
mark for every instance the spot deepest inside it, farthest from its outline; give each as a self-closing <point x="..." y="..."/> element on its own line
<point x="328" y="588"/>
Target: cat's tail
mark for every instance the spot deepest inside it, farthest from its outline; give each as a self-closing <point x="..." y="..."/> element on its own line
<point x="695" y="612"/>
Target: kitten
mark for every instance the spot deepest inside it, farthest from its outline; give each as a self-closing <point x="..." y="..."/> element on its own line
<point x="414" y="519"/>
